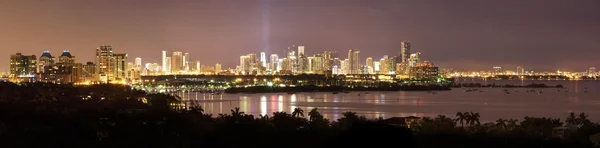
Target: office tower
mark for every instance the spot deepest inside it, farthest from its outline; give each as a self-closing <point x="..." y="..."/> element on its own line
<point x="218" y="68"/>
<point x="176" y="62"/>
<point x="301" y="50"/>
<point x="376" y="66"/>
<point x="45" y="60"/>
<point x="328" y="57"/>
<point x="22" y="65"/>
<point x="138" y="64"/>
<point x="346" y="67"/>
<point x="405" y="50"/>
<point x="244" y="64"/>
<point x="186" y="62"/>
<point x="414" y="59"/>
<point x="274" y="60"/>
<point x="369" y="62"/>
<point x="120" y="66"/>
<point x="105" y="63"/>
<point x="353" y="62"/>
<point x="285" y="65"/>
<point x="384" y="67"/>
<point x="164" y="61"/>
<point x="278" y="66"/>
<point x="66" y="58"/>
<point x="592" y="72"/>
<point x="168" y="65"/>
<point x="89" y="71"/>
<point x="197" y="66"/>
<point x="316" y="64"/>
<point x="263" y="59"/>
<point x="520" y="70"/>
<point x="497" y="70"/>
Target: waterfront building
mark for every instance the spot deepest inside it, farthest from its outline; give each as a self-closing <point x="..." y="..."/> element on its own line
<point x="328" y="60"/>
<point x="405" y="51"/>
<point x="424" y="71"/>
<point x="164" y="62"/>
<point x="218" y="68"/>
<point x="185" y="62"/>
<point x="177" y="62"/>
<point x="273" y="63"/>
<point x="353" y="65"/>
<point x="263" y="59"/>
<point x="592" y="72"/>
<point x="168" y="65"/>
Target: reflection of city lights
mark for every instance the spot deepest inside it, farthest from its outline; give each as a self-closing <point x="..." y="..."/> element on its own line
<point x="263" y="105"/>
<point x="280" y="104"/>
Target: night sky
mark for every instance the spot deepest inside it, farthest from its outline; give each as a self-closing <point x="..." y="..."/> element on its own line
<point x="460" y="34"/>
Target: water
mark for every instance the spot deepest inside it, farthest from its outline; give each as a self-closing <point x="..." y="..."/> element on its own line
<point x="492" y="103"/>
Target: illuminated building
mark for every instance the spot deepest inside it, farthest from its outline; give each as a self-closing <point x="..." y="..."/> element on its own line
<point x="66" y="58"/>
<point x="301" y="50"/>
<point x="376" y="66"/>
<point x="328" y="57"/>
<point x="45" y="60"/>
<point x="346" y="67"/>
<point x="167" y="65"/>
<point x="424" y="71"/>
<point x="405" y="51"/>
<point x="497" y="70"/>
<point x="520" y="70"/>
<point x="197" y="66"/>
<point x="121" y="66"/>
<point x="22" y="66"/>
<point x="316" y="64"/>
<point x="218" y="68"/>
<point x="89" y="71"/>
<point x="263" y="59"/>
<point x="186" y="62"/>
<point x="414" y="59"/>
<point x="402" y="69"/>
<point x="592" y="72"/>
<point x="384" y="65"/>
<point x="353" y="65"/>
<point x="164" y="62"/>
<point x="105" y="62"/>
<point x="138" y="64"/>
<point x="244" y="64"/>
<point x="273" y="63"/>
<point x="176" y="62"/>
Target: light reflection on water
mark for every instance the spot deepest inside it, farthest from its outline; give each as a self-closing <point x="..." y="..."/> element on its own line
<point x="492" y="103"/>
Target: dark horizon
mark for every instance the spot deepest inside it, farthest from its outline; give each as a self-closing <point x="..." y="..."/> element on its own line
<point x="466" y="34"/>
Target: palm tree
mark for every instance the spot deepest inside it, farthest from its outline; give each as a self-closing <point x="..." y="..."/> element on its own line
<point x="512" y="124"/>
<point x="501" y="123"/>
<point x="474" y="118"/>
<point x="460" y="117"/>
<point x="582" y="119"/>
<point x="197" y="109"/>
<point x="314" y="114"/>
<point x="298" y="112"/>
<point x="571" y="119"/>
<point x="236" y="112"/>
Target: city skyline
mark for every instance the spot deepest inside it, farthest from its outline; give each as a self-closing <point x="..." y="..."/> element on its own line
<point x="469" y="35"/>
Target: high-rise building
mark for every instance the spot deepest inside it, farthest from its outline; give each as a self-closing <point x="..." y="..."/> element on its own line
<point x="414" y="59"/>
<point x="316" y="64"/>
<point x="164" y="61"/>
<point x="218" y="68"/>
<point x="198" y="66"/>
<point x="66" y="58"/>
<point x="186" y="62"/>
<point x="345" y="66"/>
<point x="592" y="72"/>
<point x="45" y="60"/>
<point x="497" y="70"/>
<point x="520" y="70"/>
<point x="274" y="60"/>
<point x="328" y="57"/>
<point x="405" y="50"/>
<point x="121" y="66"/>
<point x="168" y="65"/>
<point x="89" y="71"/>
<point x="353" y="62"/>
<point x="263" y="59"/>
<point x="245" y="64"/>
<point x="105" y="63"/>
<point x="22" y="66"/>
<point x="300" y="50"/>
<point x="376" y="66"/>
<point x="177" y="62"/>
<point x="138" y="64"/>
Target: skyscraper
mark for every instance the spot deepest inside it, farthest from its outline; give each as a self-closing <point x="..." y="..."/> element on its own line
<point x="300" y="50"/>
<point x="177" y="62"/>
<point x="45" y="60"/>
<point x="353" y="64"/>
<point x="138" y="64"/>
<point x="66" y="58"/>
<point x="105" y="63"/>
<point x="405" y="51"/>
<point x="22" y="65"/>
<point x="274" y="60"/>
<point x="328" y="57"/>
<point x="168" y="65"/>
<point x="186" y="62"/>
<point x="263" y="59"/>
<point x="120" y="66"/>
<point x="245" y="64"/>
<point x="369" y="64"/>
<point x="164" y="61"/>
<point x="218" y="68"/>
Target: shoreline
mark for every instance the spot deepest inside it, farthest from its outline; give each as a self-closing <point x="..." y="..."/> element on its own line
<point x="332" y="89"/>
